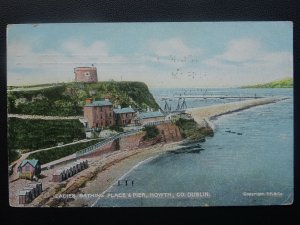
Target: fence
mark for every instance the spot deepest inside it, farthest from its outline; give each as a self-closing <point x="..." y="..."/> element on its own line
<point x="157" y="123"/>
<point x="92" y="148"/>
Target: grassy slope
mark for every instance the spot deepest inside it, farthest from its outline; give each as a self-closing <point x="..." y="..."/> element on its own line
<point x="283" y="83"/>
<point x="30" y="135"/>
<point x="65" y="99"/>
<point x="69" y="98"/>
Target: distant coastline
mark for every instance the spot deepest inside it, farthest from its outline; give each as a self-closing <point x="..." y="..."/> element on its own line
<point x="282" y="83"/>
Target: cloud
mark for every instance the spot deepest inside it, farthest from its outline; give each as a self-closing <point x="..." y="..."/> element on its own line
<point x="173" y="46"/>
<point x="245" y="61"/>
<point x="76" y="47"/>
<point x="241" y="50"/>
<point x="26" y="66"/>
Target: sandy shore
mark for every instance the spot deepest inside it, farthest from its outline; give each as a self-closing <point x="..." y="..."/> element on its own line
<point x="104" y="171"/>
<point x="202" y="115"/>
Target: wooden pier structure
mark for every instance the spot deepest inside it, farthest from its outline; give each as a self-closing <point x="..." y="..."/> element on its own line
<point x="217" y="96"/>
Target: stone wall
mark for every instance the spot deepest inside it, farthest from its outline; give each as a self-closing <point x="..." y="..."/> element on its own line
<point x="112" y="146"/>
<point x="131" y="142"/>
<point x="168" y="133"/>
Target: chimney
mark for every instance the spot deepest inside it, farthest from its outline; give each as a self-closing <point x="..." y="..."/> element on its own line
<point x="88" y="100"/>
<point x="148" y="109"/>
<point x="129" y="106"/>
<point x="119" y="107"/>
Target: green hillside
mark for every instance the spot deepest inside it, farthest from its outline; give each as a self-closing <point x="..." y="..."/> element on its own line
<point x="283" y="83"/>
<point x="67" y="99"/>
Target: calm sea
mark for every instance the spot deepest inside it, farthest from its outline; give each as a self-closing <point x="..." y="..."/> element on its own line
<point x="249" y="161"/>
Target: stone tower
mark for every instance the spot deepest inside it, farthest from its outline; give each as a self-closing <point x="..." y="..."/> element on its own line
<point x="86" y="74"/>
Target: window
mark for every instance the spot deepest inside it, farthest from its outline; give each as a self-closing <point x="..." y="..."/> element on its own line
<point x="27" y="168"/>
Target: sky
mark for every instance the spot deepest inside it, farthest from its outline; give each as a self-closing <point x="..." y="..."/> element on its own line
<point x="185" y="54"/>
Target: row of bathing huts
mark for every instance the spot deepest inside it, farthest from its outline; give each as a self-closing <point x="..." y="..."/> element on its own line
<point x="30" y="192"/>
<point x="33" y="190"/>
<point x="70" y="170"/>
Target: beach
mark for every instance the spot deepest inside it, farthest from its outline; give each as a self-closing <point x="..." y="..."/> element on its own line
<point x="202" y="115"/>
<point x="104" y="171"/>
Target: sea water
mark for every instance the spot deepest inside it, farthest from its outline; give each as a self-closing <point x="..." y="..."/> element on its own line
<point x="249" y="161"/>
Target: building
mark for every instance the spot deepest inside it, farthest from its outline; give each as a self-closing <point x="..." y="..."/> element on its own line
<point x="25" y="197"/>
<point x="86" y="74"/>
<point x="30" y="192"/>
<point x="29" y="168"/>
<point x="70" y="170"/>
<point x="124" y="116"/>
<point x="151" y="118"/>
<point x="98" y="113"/>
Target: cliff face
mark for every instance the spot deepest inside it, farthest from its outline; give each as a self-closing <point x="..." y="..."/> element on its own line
<point x="67" y="99"/>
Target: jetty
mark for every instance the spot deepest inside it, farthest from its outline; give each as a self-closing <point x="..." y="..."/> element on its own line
<point x="204" y="114"/>
<point x="217" y="96"/>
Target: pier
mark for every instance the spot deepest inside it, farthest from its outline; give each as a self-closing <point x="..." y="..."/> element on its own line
<point x="217" y="96"/>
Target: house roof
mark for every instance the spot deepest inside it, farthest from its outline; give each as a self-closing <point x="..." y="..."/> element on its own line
<point x="124" y="110"/>
<point x="99" y="103"/>
<point x="33" y="162"/>
<point x="24" y="192"/>
<point x="145" y="115"/>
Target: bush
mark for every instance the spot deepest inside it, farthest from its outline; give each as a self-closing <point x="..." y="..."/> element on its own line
<point x="13" y="155"/>
<point x="36" y="134"/>
<point x="190" y="129"/>
<point x="68" y="99"/>
<point x="151" y="132"/>
<point x="116" y="128"/>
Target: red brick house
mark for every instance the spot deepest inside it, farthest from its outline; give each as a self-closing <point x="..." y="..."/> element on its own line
<point x="98" y="113"/>
<point x="124" y="116"/>
<point x="29" y="168"/>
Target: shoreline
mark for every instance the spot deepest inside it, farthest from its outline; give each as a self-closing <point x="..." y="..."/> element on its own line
<point x="203" y="115"/>
<point x="107" y="178"/>
<point x="107" y="170"/>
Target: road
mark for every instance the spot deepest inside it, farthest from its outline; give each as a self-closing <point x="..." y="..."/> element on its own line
<point x="40" y="117"/>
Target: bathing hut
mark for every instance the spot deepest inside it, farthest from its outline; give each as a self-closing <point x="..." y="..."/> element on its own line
<point x="73" y="168"/>
<point x="37" y="186"/>
<point x="33" y="191"/>
<point x="68" y="171"/>
<point x="24" y="197"/>
<point x="85" y="163"/>
<point x="29" y="168"/>
<point x="58" y="176"/>
<point x="78" y="166"/>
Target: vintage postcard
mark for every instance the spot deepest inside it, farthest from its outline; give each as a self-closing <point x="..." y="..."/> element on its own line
<point x="150" y="114"/>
